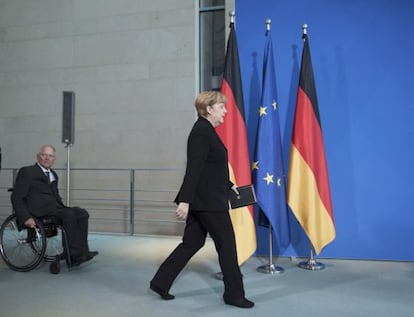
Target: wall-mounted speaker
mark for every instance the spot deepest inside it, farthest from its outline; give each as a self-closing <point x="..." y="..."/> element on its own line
<point x="68" y="118"/>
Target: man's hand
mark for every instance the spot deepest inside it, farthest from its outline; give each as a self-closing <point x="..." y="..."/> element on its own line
<point x="30" y="223"/>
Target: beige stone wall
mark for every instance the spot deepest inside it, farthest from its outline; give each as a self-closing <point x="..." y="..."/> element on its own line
<point x="130" y="63"/>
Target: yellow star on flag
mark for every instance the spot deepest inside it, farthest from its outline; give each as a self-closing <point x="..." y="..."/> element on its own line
<point x="268" y="178"/>
<point x="255" y="165"/>
<point x="274" y="104"/>
<point x="262" y="111"/>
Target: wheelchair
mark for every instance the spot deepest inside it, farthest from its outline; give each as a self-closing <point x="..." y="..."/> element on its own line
<point x="23" y="249"/>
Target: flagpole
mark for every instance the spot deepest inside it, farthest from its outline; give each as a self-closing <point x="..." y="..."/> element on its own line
<point x="304" y="29"/>
<point x="311" y="264"/>
<point x="270" y="268"/>
<point x="232" y="16"/>
<point x="229" y="82"/>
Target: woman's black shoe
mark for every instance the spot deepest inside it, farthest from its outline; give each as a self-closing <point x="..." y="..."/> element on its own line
<point x="242" y="303"/>
<point x="164" y="295"/>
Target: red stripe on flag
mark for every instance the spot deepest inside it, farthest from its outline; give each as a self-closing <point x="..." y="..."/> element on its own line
<point x="233" y="134"/>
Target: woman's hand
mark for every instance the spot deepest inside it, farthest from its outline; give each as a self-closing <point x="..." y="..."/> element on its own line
<point x="234" y="188"/>
<point x="182" y="211"/>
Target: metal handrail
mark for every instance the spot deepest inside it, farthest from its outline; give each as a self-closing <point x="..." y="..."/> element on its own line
<point x="139" y="199"/>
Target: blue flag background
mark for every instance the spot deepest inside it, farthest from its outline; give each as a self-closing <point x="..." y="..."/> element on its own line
<point x="268" y="173"/>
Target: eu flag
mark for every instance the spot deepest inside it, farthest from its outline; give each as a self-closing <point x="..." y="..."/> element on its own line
<point x="268" y="172"/>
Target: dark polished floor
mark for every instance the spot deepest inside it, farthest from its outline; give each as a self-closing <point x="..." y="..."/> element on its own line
<point x="115" y="283"/>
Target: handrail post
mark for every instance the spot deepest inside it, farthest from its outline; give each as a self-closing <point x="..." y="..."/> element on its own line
<point x="132" y="202"/>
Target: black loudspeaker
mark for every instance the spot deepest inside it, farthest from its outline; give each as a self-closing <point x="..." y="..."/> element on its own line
<point x="68" y="118"/>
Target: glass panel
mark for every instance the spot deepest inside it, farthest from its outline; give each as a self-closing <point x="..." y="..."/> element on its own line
<point x="212" y="48"/>
<point x="211" y="3"/>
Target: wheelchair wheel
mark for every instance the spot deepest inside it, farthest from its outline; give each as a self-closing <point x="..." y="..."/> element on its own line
<point x="22" y="250"/>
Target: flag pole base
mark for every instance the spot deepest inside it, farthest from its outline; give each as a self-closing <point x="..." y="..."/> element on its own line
<point x="311" y="265"/>
<point x="270" y="269"/>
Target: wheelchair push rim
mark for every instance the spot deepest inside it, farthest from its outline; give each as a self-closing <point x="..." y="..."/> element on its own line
<point x="22" y="250"/>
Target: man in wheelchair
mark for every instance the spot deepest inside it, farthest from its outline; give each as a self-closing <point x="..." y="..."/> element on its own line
<point x="35" y="193"/>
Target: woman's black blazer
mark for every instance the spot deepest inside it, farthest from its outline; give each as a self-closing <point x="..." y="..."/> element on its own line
<point x="206" y="182"/>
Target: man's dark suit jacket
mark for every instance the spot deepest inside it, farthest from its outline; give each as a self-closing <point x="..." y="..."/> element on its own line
<point x="33" y="195"/>
<point x="206" y="182"/>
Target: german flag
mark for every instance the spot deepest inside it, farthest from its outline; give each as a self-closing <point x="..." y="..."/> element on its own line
<point x="234" y="136"/>
<point x="309" y="195"/>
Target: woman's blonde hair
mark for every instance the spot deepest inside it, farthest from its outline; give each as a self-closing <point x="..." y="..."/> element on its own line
<point x="208" y="98"/>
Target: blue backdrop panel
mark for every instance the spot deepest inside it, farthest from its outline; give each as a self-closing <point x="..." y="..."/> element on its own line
<point x="362" y="55"/>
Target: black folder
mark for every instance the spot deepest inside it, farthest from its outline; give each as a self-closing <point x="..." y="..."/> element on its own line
<point x="246" y="197"/>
